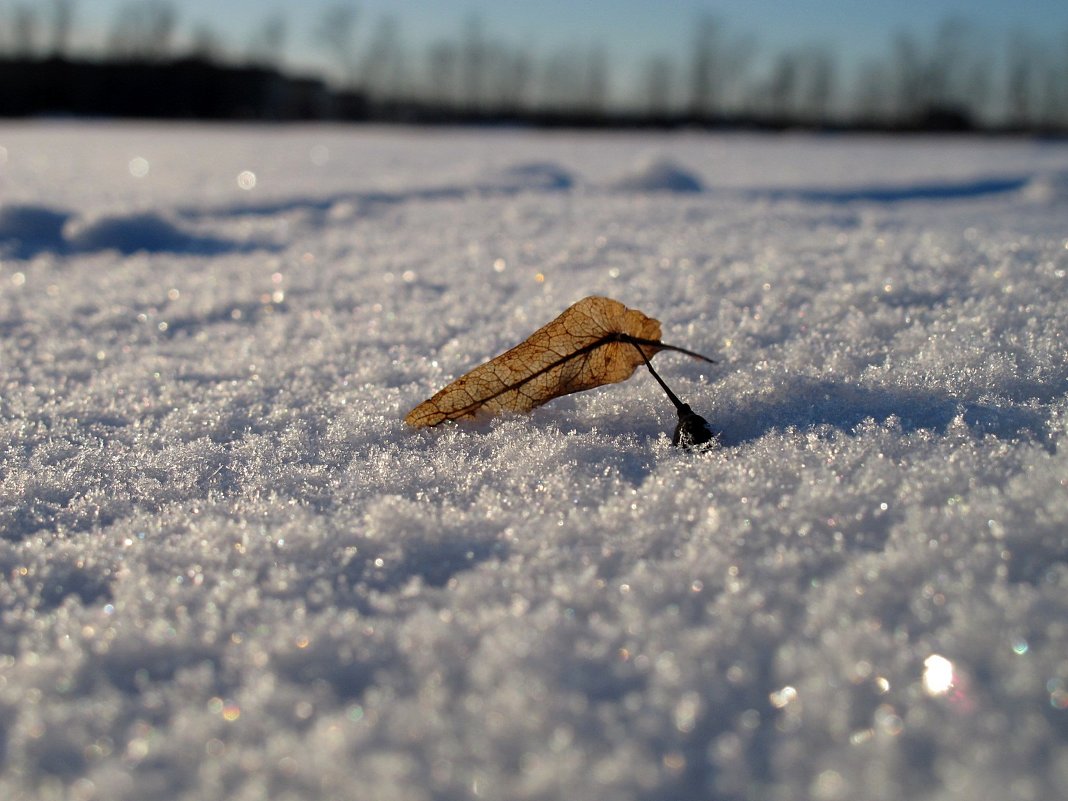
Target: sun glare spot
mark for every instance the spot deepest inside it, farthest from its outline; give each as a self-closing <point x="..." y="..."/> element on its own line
<point x="782" y="698"/>
<point x="138" y="167"/>
<point x="937" y="675"/>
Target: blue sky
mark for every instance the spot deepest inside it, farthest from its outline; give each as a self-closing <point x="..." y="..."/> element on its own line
<point x="627" y="27"/>
<point x="631" y="31"/>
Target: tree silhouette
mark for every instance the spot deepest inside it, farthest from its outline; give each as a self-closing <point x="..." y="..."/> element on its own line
<point x="510" y="78"/>
<point x="817" y="92"/>
<point x="1018" y="84"/>
<point x="705" y="65"/>
<point x="268" y="41"/>
<point x="443" y="59"/>
<point x="473" y="63"/>
<point x="947" y="78"/>
<point x="783" y="85"/>
<point x="143" y="29"/>
<point x="24" y="25"/>
<point x="62" y="21"/>
<point x="658" y="86"/>
<point x="382" y="69"/>
<point x="909" y="78"/>
<point x="561" y="81"/>
<point x="337" y="33"/>
<point x="871" y="102"/>
<point x="595" y="84"/>
<point x="206" y="44"/>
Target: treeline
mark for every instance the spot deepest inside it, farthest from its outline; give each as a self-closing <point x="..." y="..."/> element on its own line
<point x="183" y="88"/>
<point x="152" y="65"/>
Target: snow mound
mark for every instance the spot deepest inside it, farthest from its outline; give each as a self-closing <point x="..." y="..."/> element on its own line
<point x="26" y="230"/>
<point x="138" y="232"/>
<point x="536" y="175"/>
<point x="1049" y="188"/>
<point x="659" y="175"/>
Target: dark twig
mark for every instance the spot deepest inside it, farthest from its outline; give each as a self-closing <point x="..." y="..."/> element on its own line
<point x="692" y="430"/>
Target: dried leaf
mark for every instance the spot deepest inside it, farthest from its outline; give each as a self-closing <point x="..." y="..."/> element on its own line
<point x="594" y="342"/>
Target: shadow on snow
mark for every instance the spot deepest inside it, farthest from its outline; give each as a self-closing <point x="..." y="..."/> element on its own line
<point x="527" y="177"/>
<point x="936" y="190"/>
<point x="27" y="231"/>
<point x="807" y="404"/>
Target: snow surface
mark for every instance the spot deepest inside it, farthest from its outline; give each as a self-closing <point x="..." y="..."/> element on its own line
<point x="229" y="571"/>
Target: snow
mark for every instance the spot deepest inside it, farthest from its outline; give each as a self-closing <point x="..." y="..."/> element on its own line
<point x="230" y="570"/>
<point x="658" y="176"/>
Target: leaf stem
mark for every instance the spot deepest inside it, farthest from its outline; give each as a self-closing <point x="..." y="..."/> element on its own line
<point x="679" y="405"/>
<point x="664" y="346"/>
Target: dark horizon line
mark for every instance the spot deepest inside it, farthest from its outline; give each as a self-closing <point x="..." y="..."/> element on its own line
<point x="191" y="87"/>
